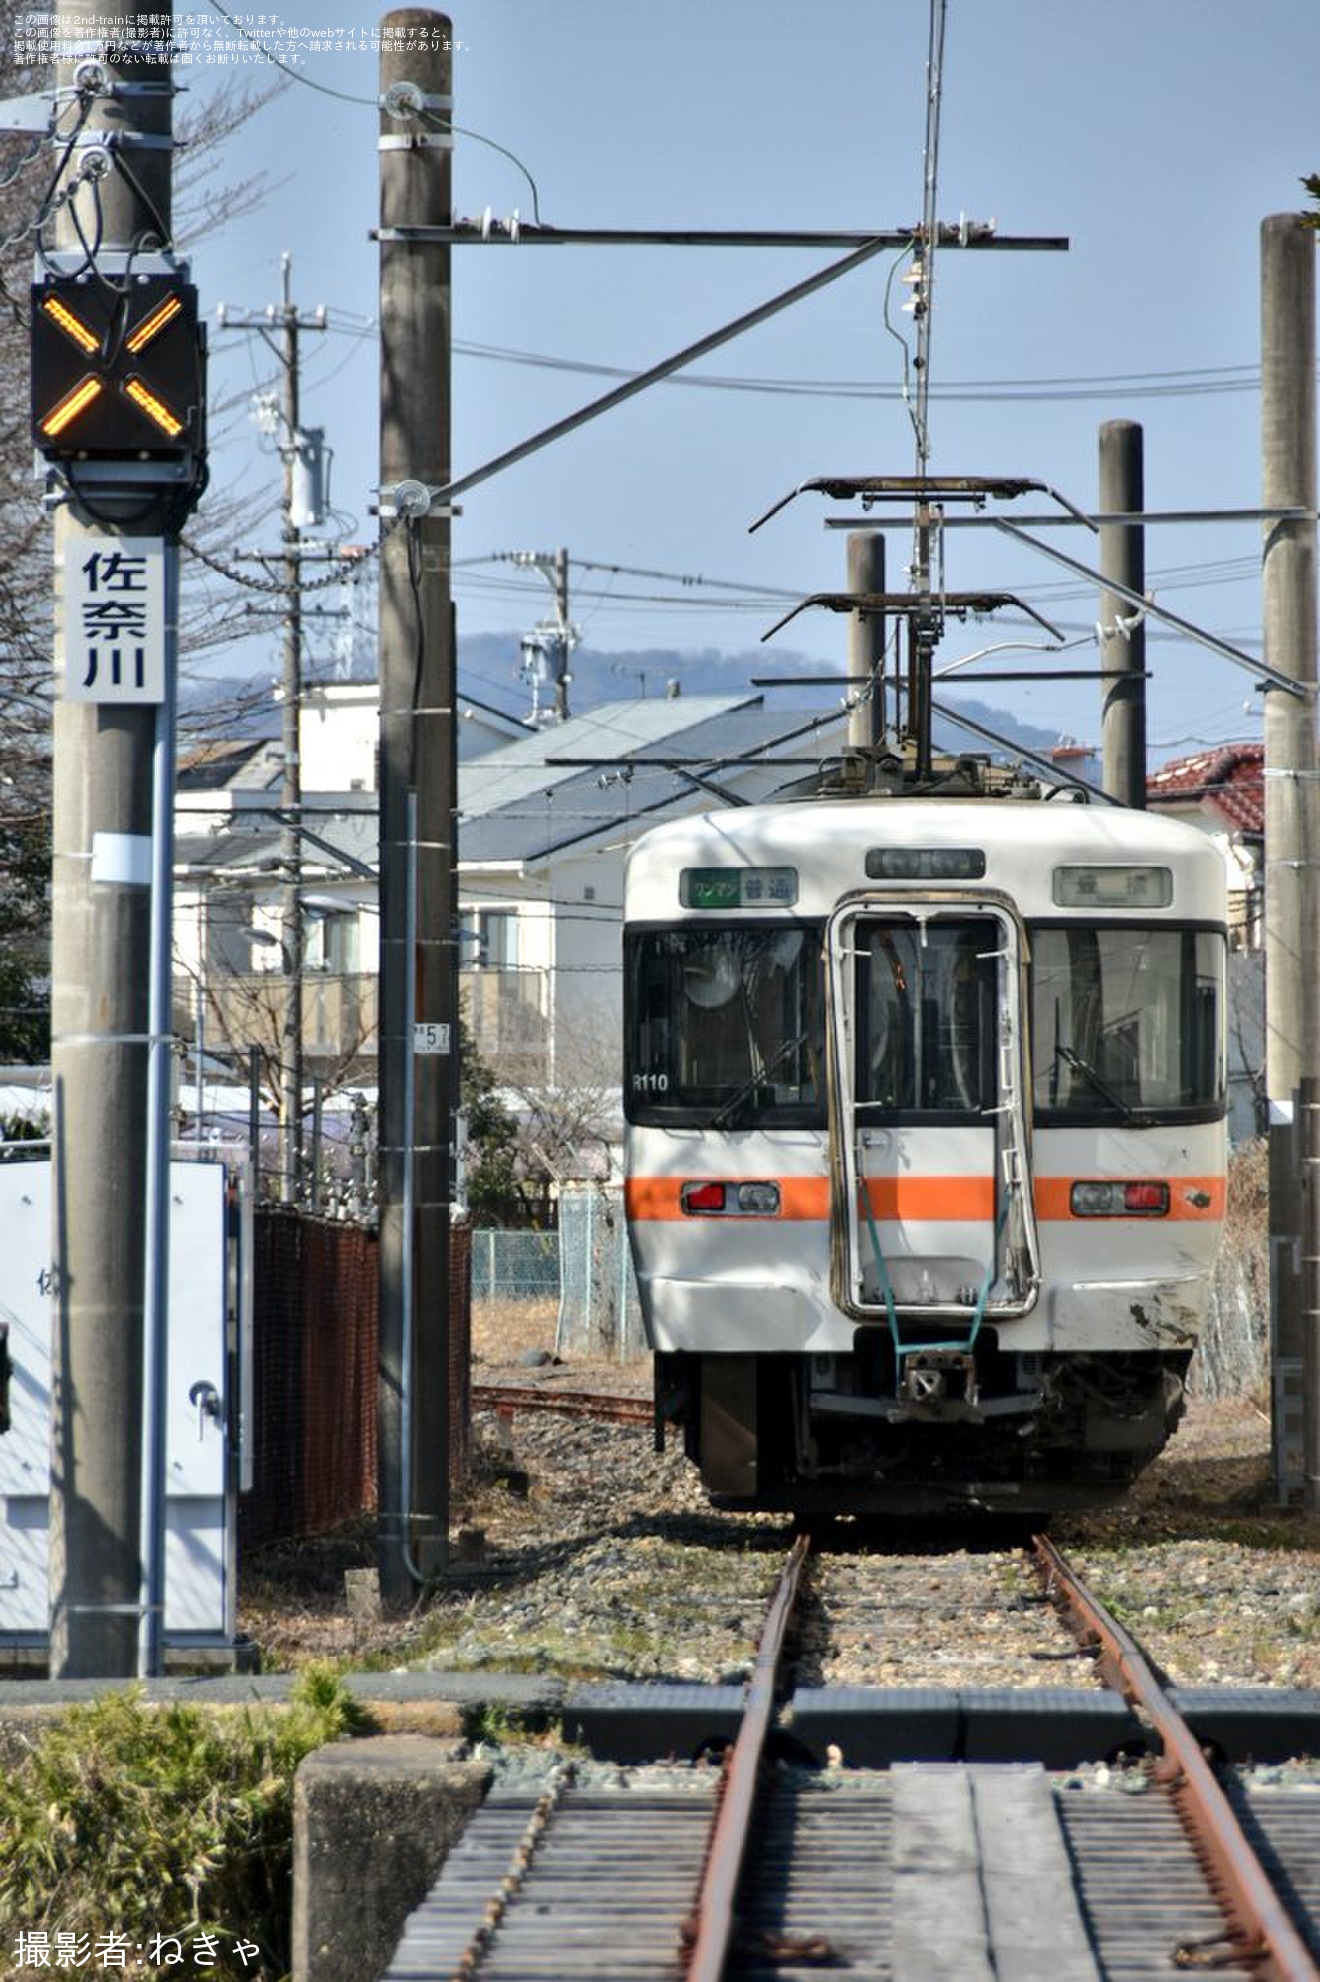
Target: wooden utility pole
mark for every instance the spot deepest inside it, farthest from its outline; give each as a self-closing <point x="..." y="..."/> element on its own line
<point x="418" y="804"/>
<point x="291" y="923"/>
<point x="1292" y="843"/>
<point x="565" y="647"/>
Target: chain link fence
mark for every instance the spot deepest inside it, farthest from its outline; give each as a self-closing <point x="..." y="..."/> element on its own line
<point x="1233" y="1356"/>
<point x="599" y="1310"/>
<point x="585" y="1267"/>
<point x="515" y="1266"/>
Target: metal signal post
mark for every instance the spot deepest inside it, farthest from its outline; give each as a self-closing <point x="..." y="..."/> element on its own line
<point x="119" y="419"/>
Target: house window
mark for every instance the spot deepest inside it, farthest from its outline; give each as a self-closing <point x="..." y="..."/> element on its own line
<point x="489" y="938"/>
<point x="330" y="942"/>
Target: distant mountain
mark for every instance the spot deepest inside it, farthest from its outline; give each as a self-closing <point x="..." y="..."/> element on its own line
<point x="490" y="672"/>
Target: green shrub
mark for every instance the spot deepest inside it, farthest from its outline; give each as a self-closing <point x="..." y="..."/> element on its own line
<point x="168" y="1828"/>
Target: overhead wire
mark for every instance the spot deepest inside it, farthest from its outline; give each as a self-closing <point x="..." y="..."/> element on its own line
<point x="1180" y="383"/>
<point x="1177" y="383"/>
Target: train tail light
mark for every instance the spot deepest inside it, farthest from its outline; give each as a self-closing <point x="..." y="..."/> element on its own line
<point x="1115" y="1199"/>
<point x="758" y="1199"/>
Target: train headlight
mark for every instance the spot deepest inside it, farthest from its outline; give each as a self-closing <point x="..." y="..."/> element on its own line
<point x="732" y="1200"/>
<point x="759" y="1200"/>
<point x="1114" y="1199"/>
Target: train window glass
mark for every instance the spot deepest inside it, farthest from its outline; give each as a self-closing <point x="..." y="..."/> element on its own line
<point x="1126" y="1022"/>
<point x="723" y="1026"/>
<point x="926" y="1005"/>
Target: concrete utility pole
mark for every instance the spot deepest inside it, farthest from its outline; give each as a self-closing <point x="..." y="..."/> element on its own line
<point x="866" y="641"/>
<point x="290" y="322"/>
<point x="113" y="730"/>
<point x="1122" y="627"/>
<point x="291" y="928"/>
<point x="558" y="641"/>
<point x="418" y="803"/>
<point x="1292" y="840"/>
<point x="565" y="635"/>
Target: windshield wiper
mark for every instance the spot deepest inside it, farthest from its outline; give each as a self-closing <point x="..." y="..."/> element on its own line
<point x="725" y="1113"/>
<point x="1095" y="1080"/>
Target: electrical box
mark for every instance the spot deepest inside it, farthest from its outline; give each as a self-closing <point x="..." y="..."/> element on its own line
<point x="202" y="1453"/>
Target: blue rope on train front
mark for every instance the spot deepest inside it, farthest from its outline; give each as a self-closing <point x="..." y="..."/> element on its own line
<point x="887" y="1286"/>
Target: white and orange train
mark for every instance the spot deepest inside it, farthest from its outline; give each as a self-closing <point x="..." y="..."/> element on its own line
<point x="925" y="1105"/>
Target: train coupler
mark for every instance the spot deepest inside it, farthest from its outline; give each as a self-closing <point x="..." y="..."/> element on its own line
<point x="931" y="1380"/>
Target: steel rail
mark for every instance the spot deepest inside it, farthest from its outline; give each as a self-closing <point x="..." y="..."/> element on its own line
<point x="1259" y="1927"/>
<point x="506" y="1398"/>
<point x="708" y="1931"/>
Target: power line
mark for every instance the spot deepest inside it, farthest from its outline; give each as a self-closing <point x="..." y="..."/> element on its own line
<point x="1184" y="383"/>
<point x="1178" y="383"/>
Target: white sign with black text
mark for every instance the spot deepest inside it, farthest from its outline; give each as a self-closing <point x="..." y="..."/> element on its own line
<point x="113" y="622"/>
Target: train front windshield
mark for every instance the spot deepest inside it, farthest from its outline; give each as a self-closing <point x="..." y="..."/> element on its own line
<point x="1126" y="1023"/>
<point x="724" y="1026"/>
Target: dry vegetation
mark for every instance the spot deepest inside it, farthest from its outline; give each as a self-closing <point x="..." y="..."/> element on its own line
<point x="547" y="1488"/>
<point x="551" y="1486"/>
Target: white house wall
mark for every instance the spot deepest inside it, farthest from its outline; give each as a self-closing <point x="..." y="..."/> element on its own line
<point x="338" y="736"/>
<point x="588" y="977"/>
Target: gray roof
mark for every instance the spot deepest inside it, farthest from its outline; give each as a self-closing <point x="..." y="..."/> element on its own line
<point x="609" y="775"/>
<point x="535" y="764"/>
<point x="339" y="835"/>
<point x="602" y="776"/>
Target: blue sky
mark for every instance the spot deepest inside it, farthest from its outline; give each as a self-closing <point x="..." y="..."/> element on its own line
<point x="1155" y="134"/>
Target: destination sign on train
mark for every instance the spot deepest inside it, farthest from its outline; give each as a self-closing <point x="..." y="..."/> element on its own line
<point x="738" y="887"/>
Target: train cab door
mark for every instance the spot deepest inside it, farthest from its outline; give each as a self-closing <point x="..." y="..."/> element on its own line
<point x="933" y="1222"/>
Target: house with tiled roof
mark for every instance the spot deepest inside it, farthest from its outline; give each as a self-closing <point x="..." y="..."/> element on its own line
<point x="1222" y="790"/>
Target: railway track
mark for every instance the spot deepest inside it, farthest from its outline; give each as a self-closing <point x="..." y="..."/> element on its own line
<point x="506" y="1399"/>
<point x="988" y="1871"/>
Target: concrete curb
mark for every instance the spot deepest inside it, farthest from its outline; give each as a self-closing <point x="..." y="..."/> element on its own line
<point x="373" y="1821"/>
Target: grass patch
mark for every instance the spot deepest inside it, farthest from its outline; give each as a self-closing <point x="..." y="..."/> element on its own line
<point x="1284" y="1533"/>
<point x="162" y="1826"/>
<point x="492" y="1725"/>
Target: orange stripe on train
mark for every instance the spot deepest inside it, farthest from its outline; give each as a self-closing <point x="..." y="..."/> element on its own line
<point x="809" y="1197"/>
<point x="922" y="1199"/>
